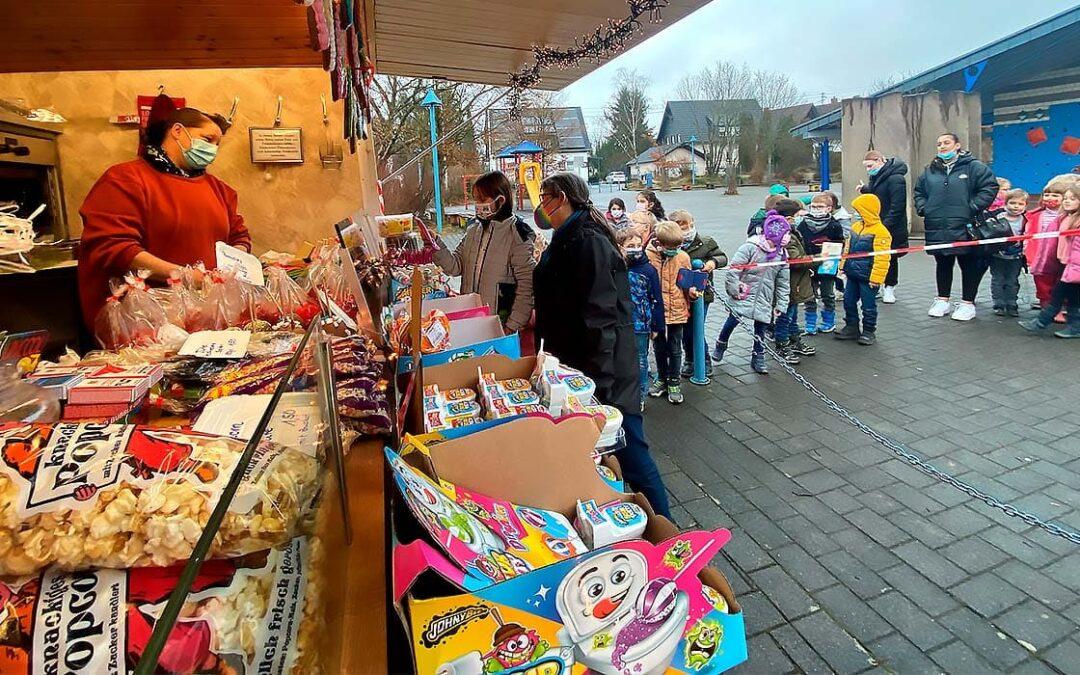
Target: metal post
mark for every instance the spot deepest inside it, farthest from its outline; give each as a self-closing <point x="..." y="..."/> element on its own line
<point x="693" y="161"/>
<point x="431" y="101"/>
<point x="701" y="377"/>
<point x="824" y="164"/>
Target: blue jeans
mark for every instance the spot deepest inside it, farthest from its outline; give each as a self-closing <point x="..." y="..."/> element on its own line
<point x="669" y="354"/>
<point x="638" y="467"/>
<point x="787" y="324"/>
<point x="643" y="362"/>
<point x="856" y="291"/>
<point x="759" y="333"/>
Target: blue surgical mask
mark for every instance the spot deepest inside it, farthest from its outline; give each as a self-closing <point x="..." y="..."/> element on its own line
<point x="200" y="154"/>
<point x="947" y="156"/>
<point x="873" y="172"/>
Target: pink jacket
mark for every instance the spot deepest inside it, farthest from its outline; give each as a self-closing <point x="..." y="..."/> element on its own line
<point x="1041" y="253"/>
<point x="1068" y="251"/>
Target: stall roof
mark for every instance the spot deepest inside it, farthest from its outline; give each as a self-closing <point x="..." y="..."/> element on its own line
<point x="1047" y="45"/>
<point x="466" y="40"/>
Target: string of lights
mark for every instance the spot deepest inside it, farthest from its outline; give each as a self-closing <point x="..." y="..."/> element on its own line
<point x="604" y="42"/>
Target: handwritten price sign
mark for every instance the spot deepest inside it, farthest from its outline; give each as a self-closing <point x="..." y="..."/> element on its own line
<point x="246" y="266"/>
<point x="217" y="344"/>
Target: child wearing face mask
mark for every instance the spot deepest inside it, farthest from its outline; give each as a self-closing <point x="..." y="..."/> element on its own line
<point x="648" y="201"/>
<point x="755" y="293"/>
<point x="1066" y="292"/>
<point x="704" y="251"/>
<point x="1041" y="262"/>
<point x="667" y="256"/>
<point x="616" y="215"/>
<point x="1004" y="187"/>
<point x="818" y="227"/>
<point x="1006" y="263"/>
<point x="647" y="298"/>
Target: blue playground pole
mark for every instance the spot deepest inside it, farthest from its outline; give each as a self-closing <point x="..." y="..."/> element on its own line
<point x="432" y="101"/>
<point x="700" y="377"/>
<point x="824" y="164"/>
<point x="693" y="161"/>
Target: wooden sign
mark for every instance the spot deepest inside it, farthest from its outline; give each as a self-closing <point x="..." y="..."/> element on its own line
<point x="276" y="145"/>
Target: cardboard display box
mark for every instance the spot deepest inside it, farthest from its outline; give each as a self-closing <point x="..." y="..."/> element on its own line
<point x="470" y="338"/>
<point x="468" y="306"/>
<point x="538" y="463"/>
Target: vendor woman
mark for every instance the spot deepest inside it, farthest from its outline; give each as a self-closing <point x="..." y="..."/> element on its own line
<point x="159" y="212"/>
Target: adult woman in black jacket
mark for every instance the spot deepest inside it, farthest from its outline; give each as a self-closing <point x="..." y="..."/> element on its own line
<point x="949" y="193"/>
<point x="888" y="181"/>
<point x="584" y="316"/>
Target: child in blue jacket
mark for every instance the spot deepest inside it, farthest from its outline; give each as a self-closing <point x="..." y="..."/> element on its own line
<point x="865" y="275"/>
<point x="647" y="298"/>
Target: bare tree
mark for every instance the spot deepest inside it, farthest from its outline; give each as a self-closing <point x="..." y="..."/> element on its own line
<point x="725" y="87"/>
<point x="627" y="113"/>
<point x="883" y="82"/>
<point x="775" y="90"/>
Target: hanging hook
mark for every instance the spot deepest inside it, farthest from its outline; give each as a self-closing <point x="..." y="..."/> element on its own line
<point x="277" y="117"/>
<point x="325" y="112"/>
<point x="232" y="112"/>
<point x="160" y="89"/>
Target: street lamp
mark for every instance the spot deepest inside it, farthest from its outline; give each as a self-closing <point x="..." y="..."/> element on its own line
<point x="432" y="101"/>
<point x="693" y="160"/>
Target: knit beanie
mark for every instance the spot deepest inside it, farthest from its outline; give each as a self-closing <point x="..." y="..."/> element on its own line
<point x="775" y="229"/>
<point x="778" y="189"/>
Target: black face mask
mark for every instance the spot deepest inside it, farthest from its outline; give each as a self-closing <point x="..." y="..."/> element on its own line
<point x="635" y="258"/>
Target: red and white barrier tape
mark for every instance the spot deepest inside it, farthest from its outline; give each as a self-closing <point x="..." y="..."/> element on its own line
<point x="909" y="249"/>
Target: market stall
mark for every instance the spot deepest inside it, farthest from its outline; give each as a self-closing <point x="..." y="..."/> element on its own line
<point x="260" y="462"/>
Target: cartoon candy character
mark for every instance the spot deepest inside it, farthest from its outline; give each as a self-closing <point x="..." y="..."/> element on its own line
<point x="16" y="621"/>
<point x="513" y="646"/>
<point x="610" y="594"/>
<point x="22" y="448"/>
<point x="678" y="555"/>
<point x="702" y="643"/>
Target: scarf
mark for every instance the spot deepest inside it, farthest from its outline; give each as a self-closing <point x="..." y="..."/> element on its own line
<point x="816" y="223"/>
<point x="161" y="162"/>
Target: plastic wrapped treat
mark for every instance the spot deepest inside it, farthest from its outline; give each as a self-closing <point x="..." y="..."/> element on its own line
<point x="91" y="495"/>
<point x="250" y="614"/>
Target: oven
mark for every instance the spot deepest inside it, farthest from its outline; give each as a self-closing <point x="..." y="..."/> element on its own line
<point x="30" y="173"/>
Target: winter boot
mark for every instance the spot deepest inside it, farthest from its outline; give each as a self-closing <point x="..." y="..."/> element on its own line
<point x="674" y="394"/>
<point x="786" y="352"/>
<point x="757" y="363"/>
<point x="850" y="331"/>
<point x="868" y="337"/>
<point x="811" y="323"/>
<point x="828" y="320"/>
<point x="802" y="348"/>
<point x="1012" y="310"/>
<point x="718" y="351"/>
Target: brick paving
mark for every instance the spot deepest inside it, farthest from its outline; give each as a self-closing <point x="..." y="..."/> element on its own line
<point x="848" y="560"/>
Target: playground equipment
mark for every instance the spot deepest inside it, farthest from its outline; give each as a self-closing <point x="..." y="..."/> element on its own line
<point x="530" y="175"/>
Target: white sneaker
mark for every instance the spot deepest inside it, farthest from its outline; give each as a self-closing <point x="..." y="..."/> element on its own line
<point x="941" y="307"/>
<point x="889" y="295"/>
<point x="965" y="311"/>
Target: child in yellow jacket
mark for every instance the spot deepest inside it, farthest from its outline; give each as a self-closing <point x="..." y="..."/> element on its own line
<point x="865" y="275"/>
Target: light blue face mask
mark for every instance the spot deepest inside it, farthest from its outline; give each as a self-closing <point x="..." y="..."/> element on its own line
<point x="200" y="154"/>
<point x="947" y="156"/>
<point x="874" y="171"/>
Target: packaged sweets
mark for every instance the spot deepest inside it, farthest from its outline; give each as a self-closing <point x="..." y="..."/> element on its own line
<point x="97" y="495"/>
<point x="243" y="615"/>
<point x="450" y="409"/>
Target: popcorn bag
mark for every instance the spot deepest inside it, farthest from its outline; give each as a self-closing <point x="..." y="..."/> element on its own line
<point x="251" y="614"/>
<point x="94" y="495"/>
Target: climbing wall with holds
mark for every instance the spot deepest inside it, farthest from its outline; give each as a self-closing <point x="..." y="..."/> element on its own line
<point x="1045" y="143"/>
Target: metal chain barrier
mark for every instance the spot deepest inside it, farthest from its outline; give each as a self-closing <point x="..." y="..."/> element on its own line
<point x="906" y="455"/>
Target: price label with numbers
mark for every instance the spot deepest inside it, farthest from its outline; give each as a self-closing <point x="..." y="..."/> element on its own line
<point x="217" y="344"/>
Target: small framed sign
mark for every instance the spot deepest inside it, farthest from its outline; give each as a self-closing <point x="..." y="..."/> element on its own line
<point x="277" y="145"/>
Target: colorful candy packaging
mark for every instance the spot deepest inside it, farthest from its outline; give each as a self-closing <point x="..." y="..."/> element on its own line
<point x="252" y="614"/>
<point x="92" y="495"/>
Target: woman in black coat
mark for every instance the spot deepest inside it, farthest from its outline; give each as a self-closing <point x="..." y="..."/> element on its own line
<point x="888" y="180"/>
<point x="584" y="316"/>
<point x="949" y="193"/>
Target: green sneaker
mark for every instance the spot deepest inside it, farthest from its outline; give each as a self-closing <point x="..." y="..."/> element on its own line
<point x="674" y="395"/>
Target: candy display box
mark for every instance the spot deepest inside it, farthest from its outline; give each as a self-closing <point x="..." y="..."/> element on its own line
<point x="468" y="306"/>
<point x="435" y="593"/>
<point x="470" y="338"/>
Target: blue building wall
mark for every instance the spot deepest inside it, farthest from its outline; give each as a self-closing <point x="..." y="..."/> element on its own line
<point x="1030" y="167"/>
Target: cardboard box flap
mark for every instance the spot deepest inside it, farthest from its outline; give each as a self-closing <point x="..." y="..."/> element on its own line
<point x="532" y="461"/>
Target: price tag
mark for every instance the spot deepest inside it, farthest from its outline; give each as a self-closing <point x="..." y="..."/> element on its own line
<point x="246" y="266"/>
<point x="217" y="344"/>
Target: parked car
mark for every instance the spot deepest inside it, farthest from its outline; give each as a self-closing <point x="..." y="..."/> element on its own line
<point x="616" y="177"/>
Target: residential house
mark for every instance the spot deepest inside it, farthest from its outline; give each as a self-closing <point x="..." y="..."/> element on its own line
<point x="559" y="131"/>
<point x="715" y="125"/>
<point x="674" y="158"/>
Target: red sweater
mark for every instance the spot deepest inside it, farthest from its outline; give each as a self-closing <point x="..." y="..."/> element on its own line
<point x="135" y="208"/>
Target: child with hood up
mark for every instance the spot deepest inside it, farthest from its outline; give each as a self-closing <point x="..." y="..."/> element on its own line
<point x="756" y="293"/>
<point x="864" y="275"/>
<point x="647" y="297"/>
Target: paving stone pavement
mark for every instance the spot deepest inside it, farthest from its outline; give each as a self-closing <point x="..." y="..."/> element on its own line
<point x="845" y="558"/>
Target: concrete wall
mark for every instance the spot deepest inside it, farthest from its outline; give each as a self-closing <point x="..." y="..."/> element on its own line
<point x="906" y="127"/>
<point x="283" y="205"/>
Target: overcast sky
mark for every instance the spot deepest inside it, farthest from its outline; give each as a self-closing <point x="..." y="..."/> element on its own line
<point x="832" y="47"/>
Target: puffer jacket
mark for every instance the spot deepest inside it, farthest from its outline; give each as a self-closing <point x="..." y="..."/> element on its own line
<point x="768" y="287"/>
<point x="867" y="235"/>
<point x="890" y="186"/>
<point x="802" y="288"/>
<point x="1039" y="253"/>
<point x="646" y="295"/>
<point x="676" y="302"/>
<point x="1068" y="251"/>
<point x="706" y="249"/>
<point x="495" y="260"/>
<point x="948" y="199"/>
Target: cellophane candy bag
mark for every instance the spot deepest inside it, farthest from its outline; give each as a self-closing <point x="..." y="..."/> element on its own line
<point x="116" y="327"/>
<point x="285" y="292"/>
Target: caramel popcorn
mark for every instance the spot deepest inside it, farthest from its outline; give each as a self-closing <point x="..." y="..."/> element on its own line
<point x="81" y="496"/>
